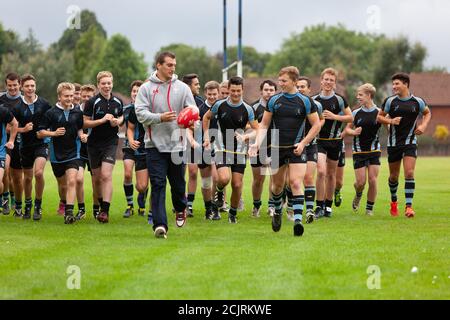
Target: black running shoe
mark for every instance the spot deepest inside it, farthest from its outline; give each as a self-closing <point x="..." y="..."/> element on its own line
<point x="37" y="215"/>
<point x="103" y="217"/>
<point x="318" y="213"/>
<point x="309" y="216"/>
<point x="298" y="228"/>
<point x="276" y="222"/>
<point x="27" y="214"/>
<point x="5" y="207"/>
<point x="80" y="215"/>
<point x="189" y="212"/>
<point x="208" y="215"/>
<point x="128" y="212"/>
<point x="69" y="218"/>
<point x="17" y="213"/>
<point x="218" y="199"/>
<point x="232" y="219"/>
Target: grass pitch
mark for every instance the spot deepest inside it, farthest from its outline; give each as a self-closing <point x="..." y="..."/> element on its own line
<point x="334" y="259"/>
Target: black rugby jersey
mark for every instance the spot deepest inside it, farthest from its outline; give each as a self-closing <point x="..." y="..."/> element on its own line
<point x="5" y="117"/>
<point x="139" y="132"/>
<point x="336" y="104"/>
<point x="67" y="147"/>
<point x="409" y="109"/>
<point x="230" y="119"/>
<point x="289" y="115"/>
<point x="33" y="112"/>
<point x="96" y="108"/>
<point x="368" y="141"/>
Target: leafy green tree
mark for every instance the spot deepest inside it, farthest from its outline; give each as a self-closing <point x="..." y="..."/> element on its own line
<point x="195" y="60"/>
<point x="88" y="52"/>
<point x="125" y="64"/>
<point x="70" y="37"/>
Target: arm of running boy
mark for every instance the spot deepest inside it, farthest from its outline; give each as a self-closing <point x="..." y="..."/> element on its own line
<point x="314" y="120"/>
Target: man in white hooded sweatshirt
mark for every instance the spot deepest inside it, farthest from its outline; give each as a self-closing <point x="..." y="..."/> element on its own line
<point x="157" y="106"/>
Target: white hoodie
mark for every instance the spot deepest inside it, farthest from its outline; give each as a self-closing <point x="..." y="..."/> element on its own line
<point x="156" y="97"/>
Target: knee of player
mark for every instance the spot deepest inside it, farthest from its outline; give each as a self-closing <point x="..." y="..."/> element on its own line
<point x="236" y="184"/>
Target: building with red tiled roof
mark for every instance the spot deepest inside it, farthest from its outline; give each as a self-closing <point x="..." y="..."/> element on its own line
<point x="434" y="88"/>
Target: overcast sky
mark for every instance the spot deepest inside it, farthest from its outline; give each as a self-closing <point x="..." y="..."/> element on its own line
<point x="150" y="24"/>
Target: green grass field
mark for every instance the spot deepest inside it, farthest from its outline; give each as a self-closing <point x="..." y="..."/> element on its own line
<point x="216" y="260"/>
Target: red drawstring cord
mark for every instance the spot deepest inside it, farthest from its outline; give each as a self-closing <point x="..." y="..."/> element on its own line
<point x="155" y="92"/>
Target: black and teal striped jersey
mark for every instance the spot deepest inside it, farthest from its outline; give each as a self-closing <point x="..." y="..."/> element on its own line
<point x="259" y="108"/>
<point x="139" y="132"/>
<point x="10" y="102"/>
<point x="96" y="108"/>
<point x="231" y="118"/>
<point x="5" y="117"/>
<point x="33" y="112"/>
<point x="126" y="115"/>
<point x="336" y="104"/>
<point x="199" y="101"/>
<point x="67" y="147"/>
<point x="369" y="140"/>
<point x="308" y="125"/>
<point x="83" y="149"/>
<point x="213" y="126"/>
<point x="289" y="117"/>
<point x="409" y="109"/>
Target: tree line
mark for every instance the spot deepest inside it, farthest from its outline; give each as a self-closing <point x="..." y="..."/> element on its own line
<point x="79" y="54"/>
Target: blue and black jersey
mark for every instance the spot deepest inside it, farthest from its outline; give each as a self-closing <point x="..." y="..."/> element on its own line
<point x="231" y="118"/>
<point x="409" y="109"/>
<point x="336" y="104"/>
<point x="83" y="149"/>
<point x="67" y="147"/>
<point x="33" y="112"/>
<point x="139" y="132"/>
<point x="259" y="108"/>
<point x="5" y="117"/>
<point x="126" y="115"/>
<point x="199" y="101"/>
<point x="368" y="141"/>
<point x="10" y="102"/>
<point x="308" y="125"/>
<point x="213" y="126"/>
<point x="96" y="108"/>
<point x="289" y="115"/>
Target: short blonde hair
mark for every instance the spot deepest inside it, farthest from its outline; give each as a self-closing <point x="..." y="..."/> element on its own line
<point x="331" y="71"/>
<point x="368" y="88"/>
<point x="104" y="74"/>
<point x="65" y="86"/>
<point x="211" y="85"/>
<point x="292" y="72"/>
<point x="224" y="84"/>
<point x="88" y="87"/>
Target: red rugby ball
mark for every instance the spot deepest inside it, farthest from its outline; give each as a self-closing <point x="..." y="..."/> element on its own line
<point x="188" y="116"/>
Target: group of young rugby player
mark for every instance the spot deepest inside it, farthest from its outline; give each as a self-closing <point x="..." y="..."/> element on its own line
<point x="288" y="134"/>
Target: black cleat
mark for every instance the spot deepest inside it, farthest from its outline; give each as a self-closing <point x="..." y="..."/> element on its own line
<point x="103" y="217"/>
<point x="69" y="219"/>
<point x="298" y="228"/>
<point x="37" y="215"/>
<point x="328" y="212"/>
<point x="27" y="214"/>
<point x="141" y="212"/>
<point x="232" y="219"/>
<point x="128" y="212"/>
<point x="337" y="199"/>
<point x="218" y="199"/>
<point x="95" y="213"/>
<point x="318" y="213"/>
<point x="310" y="216"/>
<point x="276" y="222"/>
<point x="208" y="215"/>
<point x="5" y="207"/>
<point x="17" y="213"/>
<point x="189" y="212"/>
<point x="80" y="215"/>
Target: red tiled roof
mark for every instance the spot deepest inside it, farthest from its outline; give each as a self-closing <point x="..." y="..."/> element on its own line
<point x="432" y="86"/>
